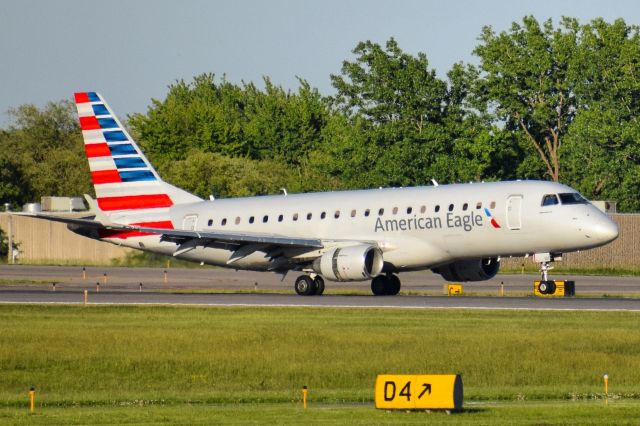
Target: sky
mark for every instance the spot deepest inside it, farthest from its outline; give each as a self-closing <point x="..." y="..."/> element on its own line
<point x="132" y="50"/>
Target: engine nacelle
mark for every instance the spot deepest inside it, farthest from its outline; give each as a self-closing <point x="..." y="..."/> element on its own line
<point x="353" y="263"/>
<point x="469" y="270"/>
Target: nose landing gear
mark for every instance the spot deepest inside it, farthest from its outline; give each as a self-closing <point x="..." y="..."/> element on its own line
<point x="546" y="286"/>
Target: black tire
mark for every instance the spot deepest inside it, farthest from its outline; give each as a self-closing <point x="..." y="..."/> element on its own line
<point x="319" y="283"/>
<point x="304" y="285"/>
<point x="543" y="287"/>
<point x="547" y="287"/>
<point x="379" y="285"/>
<point x="393" y="285"/>
<point x="552" y="287"/>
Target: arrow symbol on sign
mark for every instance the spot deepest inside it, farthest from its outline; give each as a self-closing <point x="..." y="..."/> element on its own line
<point x="427" y="389"/>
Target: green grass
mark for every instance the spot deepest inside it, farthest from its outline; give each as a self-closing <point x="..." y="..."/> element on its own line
<point x="516" y="413"/>
<point x="96" y="361"/>
<point x="21" y="281"/>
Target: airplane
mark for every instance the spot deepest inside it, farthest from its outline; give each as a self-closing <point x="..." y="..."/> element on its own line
<point x="459" y="231"/>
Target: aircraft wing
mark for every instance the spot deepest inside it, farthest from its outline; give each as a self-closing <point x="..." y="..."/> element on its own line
<point x="180" y="236"/>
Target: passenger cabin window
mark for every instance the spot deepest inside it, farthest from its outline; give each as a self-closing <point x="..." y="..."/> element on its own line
<point x="465" y="206"/>
<point x="251" y="219"/>
<point x="572" y="198"/>
<point x="210" y="222"/>
<point x="409" y="210"/>
<point x="423" y="209"/>
<point x="295" y="216"/>
<point x="353" y="213"/>
<point x="450" y="207"/>
<point x="493" y="205"/>
<point x="323" y="215"/>
<point x="336" y="214"/>
<point x="437" y="209"/>
<point x="395" y="210"/>
<point x="380" y="212"/>
<point x="238" y="220"/>
<point x="367" y="212"/>
<point x="549" y="200"/>
<point x="224" y="221"/>
<point x="309" y="216"/>
<point x="265" y="219"/>
<point x="280" y="218"/>
<point x="478" y="205"/>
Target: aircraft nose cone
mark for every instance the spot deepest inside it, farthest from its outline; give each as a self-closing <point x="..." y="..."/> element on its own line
<point x="604" y="231"/>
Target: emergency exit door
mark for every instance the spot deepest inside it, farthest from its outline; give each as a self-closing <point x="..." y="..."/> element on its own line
<point x="189" y="222"/>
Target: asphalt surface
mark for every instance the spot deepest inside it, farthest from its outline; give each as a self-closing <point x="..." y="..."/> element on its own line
<point x="222" y="287"/>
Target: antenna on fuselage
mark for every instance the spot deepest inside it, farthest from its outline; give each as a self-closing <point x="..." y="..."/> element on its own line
<point x="211" y="197"/>
<point x="284" y="191"/>
<point x="433" y="181"/>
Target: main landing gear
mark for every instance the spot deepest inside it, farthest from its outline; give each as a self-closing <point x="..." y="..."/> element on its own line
<point x="313" y="285"/>
<point x="385" y="285"/>
<point x="306" y="285"/>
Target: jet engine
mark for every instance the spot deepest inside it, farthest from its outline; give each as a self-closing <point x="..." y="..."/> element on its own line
<point x="469" y="270"/>
<point x="353" y="263"/>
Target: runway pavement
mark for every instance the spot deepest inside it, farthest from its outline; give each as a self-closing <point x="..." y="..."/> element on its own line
<point x="342" y="301"/>
<point x="222" y="287"/>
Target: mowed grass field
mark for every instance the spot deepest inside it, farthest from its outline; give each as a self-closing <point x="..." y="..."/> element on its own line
<point x="99" y="364"/>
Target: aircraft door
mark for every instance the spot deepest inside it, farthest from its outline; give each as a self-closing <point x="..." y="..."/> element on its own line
<point x="189" y="222"/>
<point x="514" y="212"/>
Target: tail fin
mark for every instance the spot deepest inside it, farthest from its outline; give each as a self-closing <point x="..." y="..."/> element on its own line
<point x="123" y="178"/>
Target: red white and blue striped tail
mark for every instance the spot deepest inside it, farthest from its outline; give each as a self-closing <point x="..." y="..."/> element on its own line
<point x="123" y="178"/>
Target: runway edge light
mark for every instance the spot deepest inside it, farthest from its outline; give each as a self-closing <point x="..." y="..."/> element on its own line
<point x="419" y="392"/>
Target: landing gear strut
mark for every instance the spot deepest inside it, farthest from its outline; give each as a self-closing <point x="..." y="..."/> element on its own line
<point x="385" y="285"/>
<point x="545" y="259"/>
<point x="544" y="270"/>
<point x="546" y="286"/>
<point x="306" y="285"/>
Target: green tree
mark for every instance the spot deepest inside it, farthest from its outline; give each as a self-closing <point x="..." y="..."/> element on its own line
<point x="42" y="153"/>
<point x="232" y="120"/>
<point x="208" y="173"/>
<point x="409" y="126"/>
<point x="602" y="148"/>
<point x="526" y="79"/>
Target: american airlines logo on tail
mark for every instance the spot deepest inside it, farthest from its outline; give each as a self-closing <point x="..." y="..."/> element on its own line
<point x="120" y="173"/>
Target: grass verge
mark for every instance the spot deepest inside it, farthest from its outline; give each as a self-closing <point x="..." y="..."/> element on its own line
<point x="167" y="360"/>
<point x="515" y="413"/>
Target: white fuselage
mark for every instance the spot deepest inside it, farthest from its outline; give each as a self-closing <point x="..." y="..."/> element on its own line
<point x="416" y="228"/>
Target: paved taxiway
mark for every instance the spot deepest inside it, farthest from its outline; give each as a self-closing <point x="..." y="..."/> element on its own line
<point x="284" y="300"/>
<point x="33" y="284"/>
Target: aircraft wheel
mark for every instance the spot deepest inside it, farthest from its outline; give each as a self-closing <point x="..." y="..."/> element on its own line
<point x="547" y="287"/>
<point x="543" y="287"/>
<point x="393" y="285"/>
<point x="319" y="284"/>
<point x="552" y="287"/>
<point x="379" y="285"/>
<point x="304" y="285"/>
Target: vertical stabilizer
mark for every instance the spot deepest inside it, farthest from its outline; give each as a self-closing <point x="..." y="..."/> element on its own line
<point x="123" y="178"/>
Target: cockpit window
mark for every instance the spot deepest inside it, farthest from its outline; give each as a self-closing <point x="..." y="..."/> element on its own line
<point x="549" y="200"/>
<point x="572" y="198"/>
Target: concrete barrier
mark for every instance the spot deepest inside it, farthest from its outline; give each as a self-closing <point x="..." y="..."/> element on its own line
<point x="44" y="241"/>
